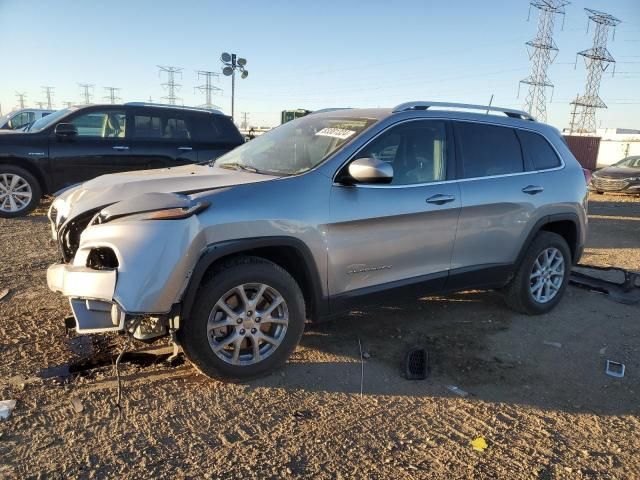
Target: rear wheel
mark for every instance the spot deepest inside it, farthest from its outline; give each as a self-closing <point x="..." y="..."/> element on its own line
<point x="247" y="320"/>
<point x="542" y="276"/>
<point x="19" y="192"/>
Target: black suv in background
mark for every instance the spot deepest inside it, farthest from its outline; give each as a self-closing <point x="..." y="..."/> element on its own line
<point x="79" y="143"/>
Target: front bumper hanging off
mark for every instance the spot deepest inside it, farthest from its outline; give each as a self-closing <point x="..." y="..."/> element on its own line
<point x="90" y="294"/>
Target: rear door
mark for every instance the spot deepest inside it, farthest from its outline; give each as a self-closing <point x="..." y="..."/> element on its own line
<point x="215" y="135"/>
<point x="100" y="145"/>
<point x="498" y="200"/>
<point x="401" y="234"/>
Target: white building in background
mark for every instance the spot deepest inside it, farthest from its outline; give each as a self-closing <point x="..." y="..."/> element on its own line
<point x="616" y="144"/>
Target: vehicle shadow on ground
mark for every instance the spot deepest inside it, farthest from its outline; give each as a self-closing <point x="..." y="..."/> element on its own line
<point x="478" y="345"/>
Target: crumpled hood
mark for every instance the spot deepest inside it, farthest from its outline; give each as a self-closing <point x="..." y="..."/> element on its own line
<point x="109" y="189"/>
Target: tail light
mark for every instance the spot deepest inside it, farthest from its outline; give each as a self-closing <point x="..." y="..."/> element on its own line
<point x="587" y="175"/>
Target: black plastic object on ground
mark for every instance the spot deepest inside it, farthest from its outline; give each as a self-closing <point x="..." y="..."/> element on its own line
<point x="621" y="285"/>
<point x="416" y="363"/>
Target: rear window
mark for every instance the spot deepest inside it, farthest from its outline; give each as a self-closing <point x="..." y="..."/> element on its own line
<point x="215" y="129"/>
<point x="488" y="150"/>
<point x="537" y="148"/>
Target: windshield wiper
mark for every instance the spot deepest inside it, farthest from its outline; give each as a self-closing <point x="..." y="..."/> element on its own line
<point x="239" y="166"/>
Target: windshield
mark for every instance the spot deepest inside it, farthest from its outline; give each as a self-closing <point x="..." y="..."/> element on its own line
<point x="50" y="119"/>
<point x="628" y="162"/>
<point x="296" y="146"/>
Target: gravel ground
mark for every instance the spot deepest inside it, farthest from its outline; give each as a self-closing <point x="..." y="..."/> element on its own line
<point x="537" y="392"/>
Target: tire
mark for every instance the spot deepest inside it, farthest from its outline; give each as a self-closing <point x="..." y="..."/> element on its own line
<point x="23" y="184"/>
<point x="519" y="294"/>
<point x="240" y="322"/>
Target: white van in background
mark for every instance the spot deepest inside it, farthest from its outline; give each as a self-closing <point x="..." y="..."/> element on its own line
<point x="22" y="118"/>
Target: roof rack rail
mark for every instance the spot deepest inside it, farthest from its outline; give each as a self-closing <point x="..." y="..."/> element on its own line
<point x="167" y="105"/>
<point x="426" y="105"/>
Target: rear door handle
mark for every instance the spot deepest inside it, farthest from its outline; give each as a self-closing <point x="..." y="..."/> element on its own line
<point x="185" y="149"/>
<point x="440" y="199"/>
<point x="532" y="189"/>
<point x="120" y="147"/>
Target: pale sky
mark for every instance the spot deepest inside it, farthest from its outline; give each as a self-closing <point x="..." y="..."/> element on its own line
<point x="310" y="55"/>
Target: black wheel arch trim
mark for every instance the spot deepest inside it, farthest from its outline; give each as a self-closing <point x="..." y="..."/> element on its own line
<point x="546" y="220"/>
<point x="216" y="251"/>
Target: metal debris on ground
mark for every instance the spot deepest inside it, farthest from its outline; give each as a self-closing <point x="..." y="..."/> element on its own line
<point x="479" y="444"/>
<point x="553" y="344"/>
<point x="6" y="407"/>
<point x="621" y="285"/>
<point x="458" y="391"/>
<point x="416" y="363"/>
<point x="614" y="369"/>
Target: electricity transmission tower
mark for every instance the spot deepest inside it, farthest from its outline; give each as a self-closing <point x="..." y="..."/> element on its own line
<point x="597" y="59"/>
<point x="68" y="104"/>
<point x="41" y="105"/>
<point x="48" y="91"/>
<point x="21" y="96"/>
<point x="542" y="52"/>
<point x="207" y="87"/>
<point x="245" y="121"/>
<point x="86" y="92"/>
<point x="170" y="85"/>
<point x="112" y="94"/>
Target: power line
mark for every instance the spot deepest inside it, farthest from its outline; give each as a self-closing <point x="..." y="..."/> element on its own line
<point x="597" y="59"/>
<point x="112" y="94"/>
<point x="208" y="88"/>
<point x="86" y="92"/>
<point x="170" y="85"/>
<point x="21" y="96"/>
<point x="48" y="91"/>
<point x="542" y="52"/>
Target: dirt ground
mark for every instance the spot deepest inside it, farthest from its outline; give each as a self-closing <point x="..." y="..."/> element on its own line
<point x="538" y="393"/>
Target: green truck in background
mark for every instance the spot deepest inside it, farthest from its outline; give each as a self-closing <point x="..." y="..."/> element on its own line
<point x="288" y="115"/>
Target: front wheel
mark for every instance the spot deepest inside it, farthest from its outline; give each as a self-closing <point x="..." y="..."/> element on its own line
<point x="247" y="319"/>
<point x="542" y="276"/>
<point x="19" y="192"/>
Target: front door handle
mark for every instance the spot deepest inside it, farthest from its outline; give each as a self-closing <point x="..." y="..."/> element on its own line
<point x="185" y="149"/>
<point x="532" y="189"/>
<point x="440" y="199"/>
<point x="120" y="147"/>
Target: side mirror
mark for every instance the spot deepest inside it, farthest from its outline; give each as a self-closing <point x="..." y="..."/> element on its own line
<point x="66" y="130"/>
<point x="370" y="170"/>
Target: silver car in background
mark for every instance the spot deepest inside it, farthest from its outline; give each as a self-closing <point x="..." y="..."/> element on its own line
<point x="336" y="210"/>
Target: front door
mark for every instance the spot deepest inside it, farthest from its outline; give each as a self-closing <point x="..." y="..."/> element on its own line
<point x="101" y="142"/>
<point x="401" y="234"/>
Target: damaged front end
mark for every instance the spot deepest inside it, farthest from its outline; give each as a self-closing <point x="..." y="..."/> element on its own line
<point x="109" y="266"/>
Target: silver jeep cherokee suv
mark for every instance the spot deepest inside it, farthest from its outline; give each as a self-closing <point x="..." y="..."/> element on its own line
<point x="336" y="210"/>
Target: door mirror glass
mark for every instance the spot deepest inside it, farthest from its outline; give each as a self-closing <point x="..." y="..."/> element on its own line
<point x="370" y="170"/>
<point x="66" y="130"/>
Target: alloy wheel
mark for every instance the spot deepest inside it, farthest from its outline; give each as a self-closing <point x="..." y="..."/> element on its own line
<point x="547" y="275"/>
<point x="247" y="324"/>
<point x="15" y="193"/>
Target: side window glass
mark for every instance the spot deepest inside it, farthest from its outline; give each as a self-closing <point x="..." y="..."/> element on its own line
<point x="488" y="150"/>
<point x="111" y="124"/>
<point x="416" y="150"/>
<point x="19" y="120"/>
<point x="160" y="126"/>
<point x="540" y="152"/>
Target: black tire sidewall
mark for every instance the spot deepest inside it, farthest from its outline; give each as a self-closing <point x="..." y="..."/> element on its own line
<point x="36" y="191"/>
<point x="193" y="333"/>
<point x="543" y="241"/>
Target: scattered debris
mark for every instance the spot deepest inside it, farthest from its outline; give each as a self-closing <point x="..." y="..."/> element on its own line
<point x="457" y="391"/>
<point x="479" y="444"/>
<point x="553" y="344"/>
<point x="3" y="293"/>
<point x="361" y="367"/>
<point x="77" y="405"/>
<point x="303" y="414"/>
<point x="416" y="363"/>
<point x="614" y="369"/>
<point x="603" y="350"/>
<point x="6" y="407"/>
<point x="621" y="285"/>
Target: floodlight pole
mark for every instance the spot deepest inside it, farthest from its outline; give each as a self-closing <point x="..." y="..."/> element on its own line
<point x="233" y="85"/>
<point x="232" y="63"/>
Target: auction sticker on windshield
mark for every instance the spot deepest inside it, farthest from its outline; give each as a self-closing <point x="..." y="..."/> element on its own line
<point x="340" y="133"/>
